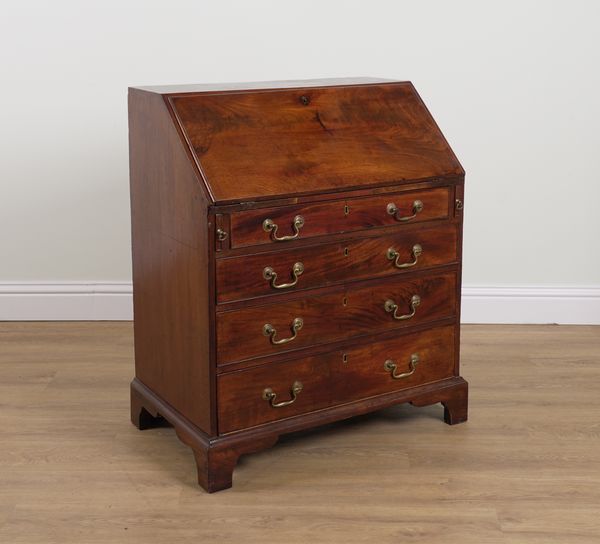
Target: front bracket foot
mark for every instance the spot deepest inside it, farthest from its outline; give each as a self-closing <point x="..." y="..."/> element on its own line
<point x="455" y="400"/>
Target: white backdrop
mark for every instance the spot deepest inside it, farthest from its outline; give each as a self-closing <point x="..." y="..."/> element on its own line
<point x="514" y="86"/>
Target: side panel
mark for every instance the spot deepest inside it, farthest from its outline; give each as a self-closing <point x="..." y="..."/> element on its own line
<point x="171" y="272"/>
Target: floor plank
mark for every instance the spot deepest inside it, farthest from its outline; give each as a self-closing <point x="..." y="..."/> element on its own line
<point x="524" y="469"/>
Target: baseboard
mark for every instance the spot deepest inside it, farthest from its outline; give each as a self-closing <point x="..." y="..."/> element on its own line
<point x="531" y="304"/>
<point x="91" y="301"/>
<point x="60" y="301"/>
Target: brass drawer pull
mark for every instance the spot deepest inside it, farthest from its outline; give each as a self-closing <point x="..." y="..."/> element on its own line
<point x="391" y="367"/>
<point x="271" y="332"/>
<point x="270" y="396"/>
<point x="270" y="275"/>
<point x="270" y="226"/>
<point x="393" y="255"/>
<point x="391" y="306"/>
<point x="392" y="209"/>
<point x="221" y="235"/>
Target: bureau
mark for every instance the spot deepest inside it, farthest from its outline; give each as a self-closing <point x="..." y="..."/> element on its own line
<point x="296" y="260"/>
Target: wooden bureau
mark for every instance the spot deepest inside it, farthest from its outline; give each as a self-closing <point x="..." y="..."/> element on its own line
<point x="296" y="260"/>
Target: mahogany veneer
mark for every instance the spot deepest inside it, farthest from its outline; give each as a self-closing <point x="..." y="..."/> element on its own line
<point x="296" y="260"/>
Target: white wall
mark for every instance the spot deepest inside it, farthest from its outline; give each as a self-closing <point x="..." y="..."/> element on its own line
<point x="513" y="85"/>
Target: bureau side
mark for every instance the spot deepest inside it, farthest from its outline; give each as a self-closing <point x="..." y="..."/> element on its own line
<point x="171" y="272"/>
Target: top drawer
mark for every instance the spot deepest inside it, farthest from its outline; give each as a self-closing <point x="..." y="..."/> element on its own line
<point x="281" y="225"/>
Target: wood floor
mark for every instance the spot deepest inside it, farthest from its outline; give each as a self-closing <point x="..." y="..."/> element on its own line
<point x="524" y="469"/>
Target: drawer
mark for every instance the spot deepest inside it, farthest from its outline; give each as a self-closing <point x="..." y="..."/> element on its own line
<point x="243" y="396"/>
<point x="391" y="365"/>
<point x="336" y="315"/>
<point x="292" y="269"/>
<point x="281" y="390"/>
<point x="283" y="224"/>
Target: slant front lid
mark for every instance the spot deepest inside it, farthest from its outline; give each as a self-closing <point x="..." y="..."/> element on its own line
<point x="259" y="144"/>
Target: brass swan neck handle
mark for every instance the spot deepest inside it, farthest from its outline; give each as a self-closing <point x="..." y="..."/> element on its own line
<point x="417" y="208"/>
<point x="271" y="332"/>
<point x="270" y="226"/>
<point x="270" y="395"/>
<point x="390" y="306"/>
<point x="391" y="367"/>
<point x="270" y="275"/>
<point x="393" y="255"/>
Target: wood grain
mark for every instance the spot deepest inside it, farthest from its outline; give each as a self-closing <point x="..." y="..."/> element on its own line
<point x="525" y="469"/>
<point x="352" y="312"/>
<point x="338" y="377"/>
<point x="205" y="166"/>
<point x="240" y="278"/>
<point x="267" y="144"/>
<point x="344" y="215"/>
<point x="172" y="306"/>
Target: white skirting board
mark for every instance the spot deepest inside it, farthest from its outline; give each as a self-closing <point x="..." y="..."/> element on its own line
<point x="565" y="305"/>
<point x="106" y="301"/>
<point x="59" y="301"/>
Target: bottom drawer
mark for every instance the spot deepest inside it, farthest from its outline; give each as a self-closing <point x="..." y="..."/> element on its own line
<point x="279" y="390"/>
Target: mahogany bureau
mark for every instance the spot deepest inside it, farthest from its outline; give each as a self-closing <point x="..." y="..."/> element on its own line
<point x="296" y="260"/>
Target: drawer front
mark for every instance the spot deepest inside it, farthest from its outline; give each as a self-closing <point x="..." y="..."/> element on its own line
<point x="280" y="390"/>
<point x="395" y="364"/>
<point x="279" y="327"/>
<point x="284" y="224"/>
<point x="293" y="269"/>
<point x="243" y="402"/>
